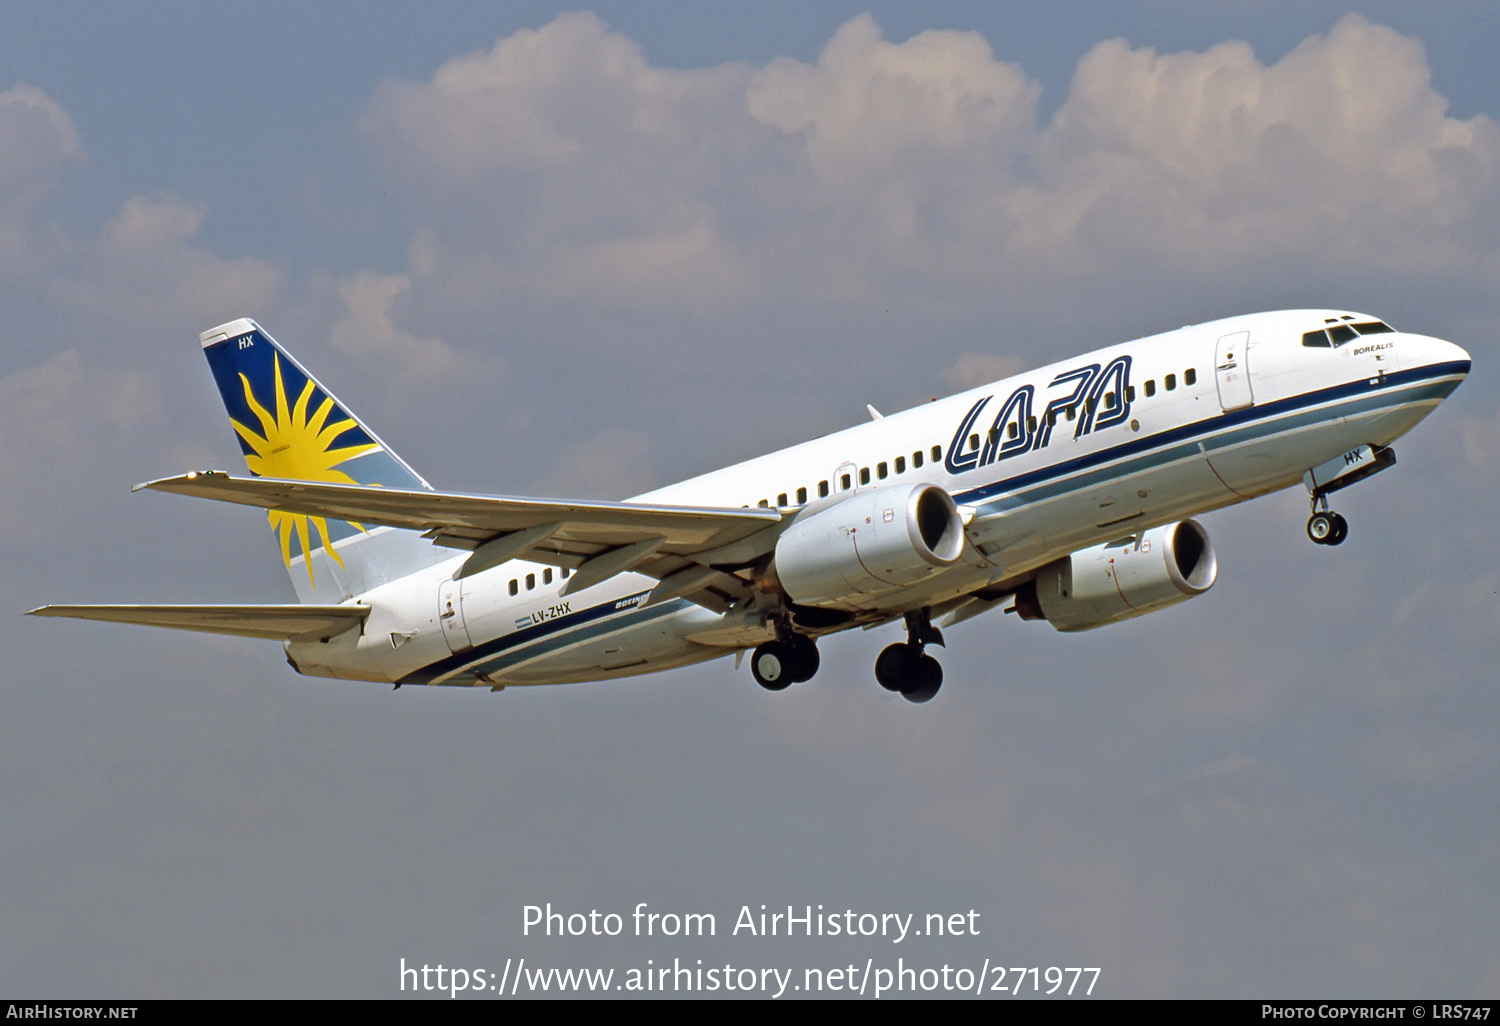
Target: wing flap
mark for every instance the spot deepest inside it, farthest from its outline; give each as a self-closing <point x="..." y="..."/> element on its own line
<point x="276" y="623"/>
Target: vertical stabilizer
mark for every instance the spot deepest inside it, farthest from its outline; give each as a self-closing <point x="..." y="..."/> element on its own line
<point x="290" y="426"/>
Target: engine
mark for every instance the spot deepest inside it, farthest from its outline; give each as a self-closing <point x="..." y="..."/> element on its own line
<point x="871" y="542"/>
<point x="1135" y="575"/>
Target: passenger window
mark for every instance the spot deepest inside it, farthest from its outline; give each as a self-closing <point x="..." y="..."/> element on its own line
<point x="900" y="464"/>
<point x="547" y="576"/>
<point x="565" y="573"/>
<point x="880" y="471"/>
<point x="530" y="581"/>
<point x="973" y="443"/>
<point x="801" y="496"/>
<point x="1109" y="400"/>
<point x="781" y="499"/>
<point x="515" y="586"/>
<point x="1031" y="424"/>
<point x="822" y="489"/>
<point x="1150" y="387"/>
<point x="1130" y="393"/>
<point x="864" y="475"/>
<point x="994" y="435"/>
<point x="1171" y="382"/>
<point x="916" y="460"/>
<point x="1012" y="431"/>
<point x="1190" y="376"/>
<point x="1091" y="404"/>
<point x="764" y="503"/>
<point x="1072" y="412"/>
<point x="937" y="454"/>
<point x="1052" y="418"/>
<point x="845" y="482"/>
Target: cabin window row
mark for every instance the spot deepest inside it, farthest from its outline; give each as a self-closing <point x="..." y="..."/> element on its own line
<point x="881" y="472"/>
<point x="530" y="580"/>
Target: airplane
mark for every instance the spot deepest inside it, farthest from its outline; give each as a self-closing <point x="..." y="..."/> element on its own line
<point x="1064" y="494"/>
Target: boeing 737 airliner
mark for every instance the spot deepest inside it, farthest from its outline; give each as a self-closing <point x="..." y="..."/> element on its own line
<point x="1061" y="494"/>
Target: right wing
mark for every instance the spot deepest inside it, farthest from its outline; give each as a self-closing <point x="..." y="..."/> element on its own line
<point x="277" y="623"/>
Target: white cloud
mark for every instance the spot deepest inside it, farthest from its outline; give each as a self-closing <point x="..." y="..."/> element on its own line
<point x="37" y="143"/>
<point x="67" y="412"/>
<point x="971" y="370"/>
<point x="612" y="464"/>
<point x="147" y="266"/>
<point x="869" y="106"/>
<point x="367" y="326"/>
<point x="919" y="169"/>
<point x="1342" y="147"/>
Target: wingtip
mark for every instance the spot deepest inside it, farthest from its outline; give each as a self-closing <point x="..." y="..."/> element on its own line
<point x="191" y="475"/>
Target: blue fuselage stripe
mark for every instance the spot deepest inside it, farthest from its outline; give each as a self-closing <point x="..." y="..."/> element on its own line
<point x="1224" y="429"/>
<point x="573" y="622"/>
<point x="1241" y="425"/>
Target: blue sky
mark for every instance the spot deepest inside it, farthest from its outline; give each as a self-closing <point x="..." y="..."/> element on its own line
<point x="592" y="253"/>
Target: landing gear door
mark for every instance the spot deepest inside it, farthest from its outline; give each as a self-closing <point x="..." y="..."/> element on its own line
<point x="451" y="616"/>
<point x="1232" y="371"/>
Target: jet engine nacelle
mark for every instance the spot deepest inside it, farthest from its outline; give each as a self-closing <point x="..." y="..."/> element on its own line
<point x="872" y="542"/>
<point x="1140" y="574"/>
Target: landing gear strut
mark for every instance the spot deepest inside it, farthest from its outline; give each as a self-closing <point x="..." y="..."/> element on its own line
<point x="791" y="659"/>
<point x="903" y="667"/>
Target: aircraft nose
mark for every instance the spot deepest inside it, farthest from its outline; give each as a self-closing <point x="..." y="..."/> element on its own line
<point x="1426" y="351"/>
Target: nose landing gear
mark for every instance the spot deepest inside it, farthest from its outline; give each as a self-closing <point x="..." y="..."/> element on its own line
<point x="1327" y="528"/>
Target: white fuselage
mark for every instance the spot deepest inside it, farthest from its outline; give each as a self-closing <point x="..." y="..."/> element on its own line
<point x="1041" y="464"/>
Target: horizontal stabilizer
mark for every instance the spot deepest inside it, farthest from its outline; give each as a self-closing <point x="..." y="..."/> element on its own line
<point x="276" y="623"/>
<point x="468" y="521"/>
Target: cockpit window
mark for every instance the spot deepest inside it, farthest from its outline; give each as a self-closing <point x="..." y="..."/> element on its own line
<point x="1336" y="334"/>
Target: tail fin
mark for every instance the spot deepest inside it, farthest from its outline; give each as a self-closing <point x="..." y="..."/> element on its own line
<point x="290" y="426"/>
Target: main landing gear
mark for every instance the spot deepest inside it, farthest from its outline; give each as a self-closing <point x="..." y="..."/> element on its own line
<point x="791" y="659"/>
<point x="903" y="667"/>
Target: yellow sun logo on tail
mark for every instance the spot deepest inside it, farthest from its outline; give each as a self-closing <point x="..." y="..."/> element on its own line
<point x="294" y="445"/>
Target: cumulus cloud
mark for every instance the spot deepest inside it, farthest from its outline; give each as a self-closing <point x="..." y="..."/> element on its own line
<point x="64" y="413"/>
<point x="37" y="144"/>
<point x="367" y="326"/>
<point x="868" y="105"/>
<point x="1342" y="143"/>
<point x="925" y="169"/>
<point x="147" y="264"/>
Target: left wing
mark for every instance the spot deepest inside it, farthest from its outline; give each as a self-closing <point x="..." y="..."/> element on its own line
<point x="276" y="623"/>
<point x="597" y="539"/>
